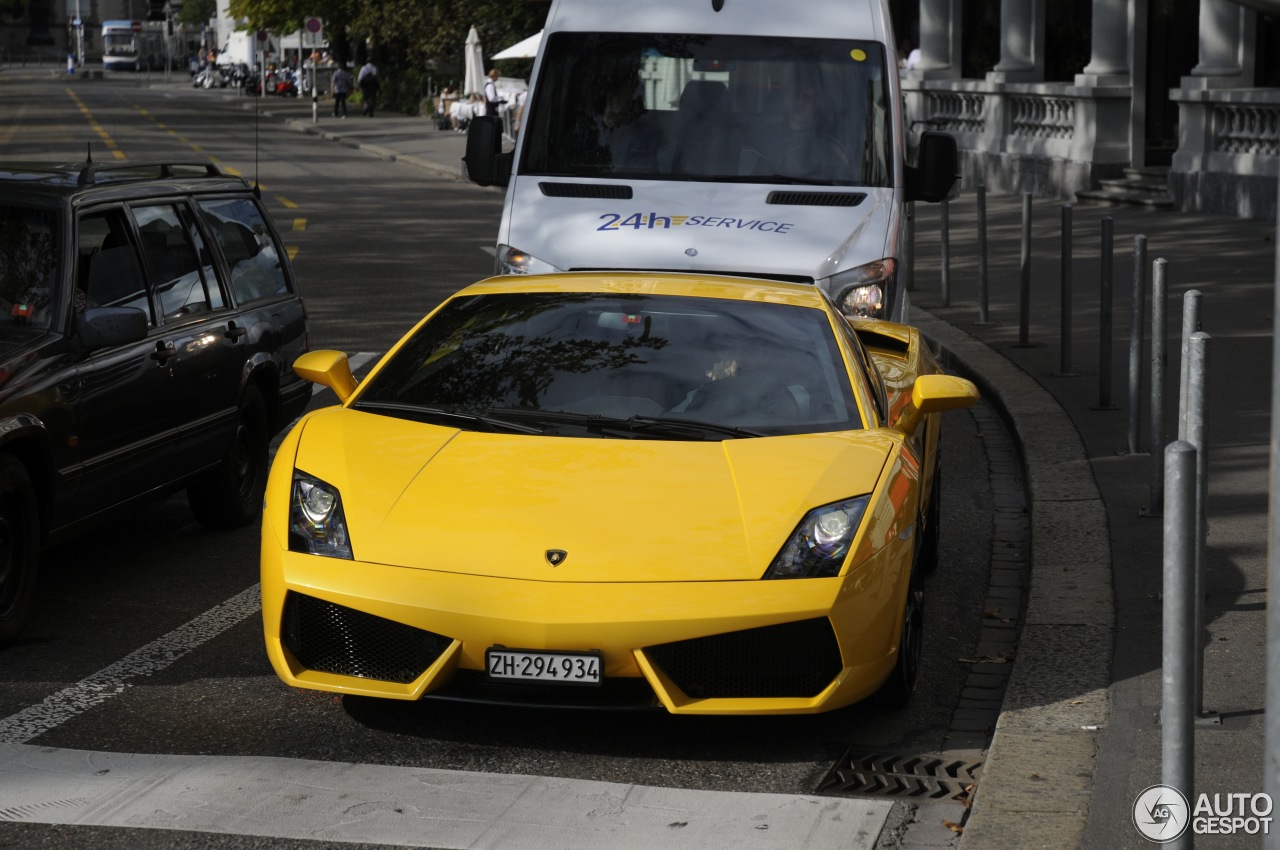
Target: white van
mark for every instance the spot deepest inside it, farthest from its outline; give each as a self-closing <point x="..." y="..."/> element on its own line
<point x="741" y="137"/>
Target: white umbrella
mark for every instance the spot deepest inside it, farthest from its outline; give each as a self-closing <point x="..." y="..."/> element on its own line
<point x="473" y="79"/>
<point x="526" y="49"/>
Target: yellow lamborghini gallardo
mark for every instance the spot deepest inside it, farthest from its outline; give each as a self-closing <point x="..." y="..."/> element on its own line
<point x="709" y="495"/>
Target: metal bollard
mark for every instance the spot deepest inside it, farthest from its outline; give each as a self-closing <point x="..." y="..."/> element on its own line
<point x="1024" y="287"/>
<point x="1105" y="311"/>
<point x="1064" y="366"/>
<point x="946" y="253"/>
<point x="1137" y="309"/>
<point x="1190" y="324"/>
<point x="1159" y="341"/>
<point x="1177" y="719"/>
<point x="910" y="246"/>
<point x="1196" y="429"/>
<point x="983" y="310"/>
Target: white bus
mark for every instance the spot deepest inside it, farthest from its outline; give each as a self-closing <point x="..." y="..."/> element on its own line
<point x="133" y="45"/>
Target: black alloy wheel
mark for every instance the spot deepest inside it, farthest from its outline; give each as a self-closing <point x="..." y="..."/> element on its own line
<point x="897" y="689"/>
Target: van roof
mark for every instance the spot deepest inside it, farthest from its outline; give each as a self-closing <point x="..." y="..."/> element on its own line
<point x="854" y="19"/>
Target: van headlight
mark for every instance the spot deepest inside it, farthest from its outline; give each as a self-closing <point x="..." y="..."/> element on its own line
<point x="511" y="260"/>
<point x="862" y="292"/>
<point x="818" y="546"/>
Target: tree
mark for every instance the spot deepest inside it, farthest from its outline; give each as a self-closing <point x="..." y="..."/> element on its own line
<point x="410" y="40"/>
<point x="196" y="13"/>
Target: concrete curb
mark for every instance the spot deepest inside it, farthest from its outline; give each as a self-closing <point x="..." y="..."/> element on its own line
<point x="1039" y="773"/>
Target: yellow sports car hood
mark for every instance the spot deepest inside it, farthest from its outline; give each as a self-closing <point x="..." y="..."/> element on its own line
<point x="436" y="498"/>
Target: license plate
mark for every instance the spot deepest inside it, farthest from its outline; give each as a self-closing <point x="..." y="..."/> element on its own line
<point x="566" y="668"/>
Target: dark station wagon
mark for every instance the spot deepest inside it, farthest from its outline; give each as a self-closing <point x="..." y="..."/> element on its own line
<point x="149" y="321"/>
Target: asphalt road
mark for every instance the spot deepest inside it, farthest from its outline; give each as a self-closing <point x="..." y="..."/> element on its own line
<point x="110" y="663"/>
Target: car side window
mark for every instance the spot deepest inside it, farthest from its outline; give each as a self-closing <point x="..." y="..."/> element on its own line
<point x="875" y="383"/>
<point x="252" y="254"/>
<point x="109" y="272"/>
<point x="182" y="282"/>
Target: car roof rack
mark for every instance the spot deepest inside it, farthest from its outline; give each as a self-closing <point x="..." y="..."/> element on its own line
<point x="89" y="174"/>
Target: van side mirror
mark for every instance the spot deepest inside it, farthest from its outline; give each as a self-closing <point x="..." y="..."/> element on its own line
<point x="936" y="170"/>
<point x="486" y="164"/>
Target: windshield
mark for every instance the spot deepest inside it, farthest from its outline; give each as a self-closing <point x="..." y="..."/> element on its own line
<point x="706" y="107"/>
<point x="28" y="266"/>
<point x="556" y="363"/>
<point x="118" y="44"/>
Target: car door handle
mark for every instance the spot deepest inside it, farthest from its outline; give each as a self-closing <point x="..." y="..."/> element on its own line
<point x="234" y="331"/>
<point x="163" y="352"/>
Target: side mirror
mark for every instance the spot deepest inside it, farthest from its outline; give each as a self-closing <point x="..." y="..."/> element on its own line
<point x="485" y="162"/>
<point x="936" y="170"/>
<point x="328" y="369"/>
<point x="106" y="327"/>
<point x="934" y="394"/>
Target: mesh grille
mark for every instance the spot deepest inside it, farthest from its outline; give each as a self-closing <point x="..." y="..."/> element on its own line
<point x="789" y="660"/>
<point x="332" y="639"/>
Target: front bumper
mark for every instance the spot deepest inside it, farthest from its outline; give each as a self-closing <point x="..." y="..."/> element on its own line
<point x="727" y="647"/>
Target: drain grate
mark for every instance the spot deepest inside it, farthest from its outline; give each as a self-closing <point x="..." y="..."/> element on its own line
<point x="927" y="777"/>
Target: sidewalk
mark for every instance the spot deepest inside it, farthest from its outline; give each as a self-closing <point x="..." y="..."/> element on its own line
<point x="1079" y="737"/>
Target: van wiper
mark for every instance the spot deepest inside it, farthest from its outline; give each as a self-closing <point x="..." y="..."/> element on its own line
<point x="785" y="179"/>
<point x="436" y="416"/>
<point x="649" y="425"/>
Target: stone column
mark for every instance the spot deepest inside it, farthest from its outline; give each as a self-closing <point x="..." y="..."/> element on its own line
<point x="1220" y="35"/>
<point x="1109" y="60"/>
<point x="1021" y="42"/>
<point x="939" y="41"/>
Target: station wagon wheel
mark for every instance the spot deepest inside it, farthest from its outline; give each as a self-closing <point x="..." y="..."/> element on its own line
<point x="19" y="547"/>
<point x="232" y="495"/>
<point x="897" y="689"/>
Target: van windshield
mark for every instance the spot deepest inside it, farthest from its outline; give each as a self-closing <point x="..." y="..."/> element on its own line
<point x="710" y="107"/>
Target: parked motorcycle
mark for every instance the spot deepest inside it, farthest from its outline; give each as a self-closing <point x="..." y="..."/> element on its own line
<point x="282" y="83"/>
<point x="208" y="77"/>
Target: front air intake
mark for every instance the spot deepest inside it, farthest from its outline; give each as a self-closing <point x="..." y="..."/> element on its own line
<point x="788" y="660"/>
<point x="330" y="638"/>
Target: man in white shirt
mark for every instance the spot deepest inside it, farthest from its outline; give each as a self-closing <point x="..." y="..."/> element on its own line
<point x="368" y="83"/>
<point x="491" y="98"/>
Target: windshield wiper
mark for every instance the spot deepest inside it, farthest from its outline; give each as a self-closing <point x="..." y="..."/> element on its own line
<point x="685" y="426"/>
<point x="419" y="413"/>
<point x="635" y="424"/>
<point x="786" y="179"/>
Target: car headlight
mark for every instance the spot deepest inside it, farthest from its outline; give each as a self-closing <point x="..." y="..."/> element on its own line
<point x="512" y="260"/>
<point x="317" y="525"/>
<point x="818" y="546"/>
<point x="861" y="292"/>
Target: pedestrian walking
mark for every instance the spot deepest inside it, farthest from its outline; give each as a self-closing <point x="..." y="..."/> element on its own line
<point x="369" y="84"/>
<point x="341" y="85"/>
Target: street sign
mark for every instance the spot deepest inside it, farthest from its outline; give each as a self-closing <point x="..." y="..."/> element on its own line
<point x="135" y="27"/>
<point x="312" y="29"/>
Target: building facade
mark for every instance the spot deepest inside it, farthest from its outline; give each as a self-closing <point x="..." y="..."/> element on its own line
<point x="1187" y="91"/>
